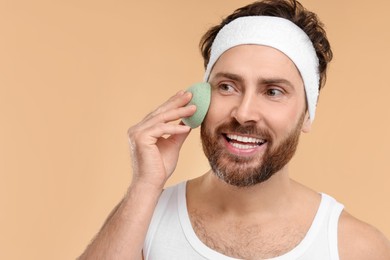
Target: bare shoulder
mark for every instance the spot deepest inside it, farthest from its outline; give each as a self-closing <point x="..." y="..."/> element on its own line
<point x="359" y="240"/>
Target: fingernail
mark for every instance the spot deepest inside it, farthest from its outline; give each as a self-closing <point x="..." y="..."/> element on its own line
<point x="181" y="92"/>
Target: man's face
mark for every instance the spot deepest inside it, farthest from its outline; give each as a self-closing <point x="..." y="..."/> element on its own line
<point x="256" y="114"/>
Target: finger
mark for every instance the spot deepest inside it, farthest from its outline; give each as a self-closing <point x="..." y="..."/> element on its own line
<point x="179" y="100"/>
<point x="169" y="116"/>
<point x="157" y="131"/>
<point x="178" y="139"/>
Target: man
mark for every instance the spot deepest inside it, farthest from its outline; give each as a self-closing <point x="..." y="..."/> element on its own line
<point x="265" y="63"/>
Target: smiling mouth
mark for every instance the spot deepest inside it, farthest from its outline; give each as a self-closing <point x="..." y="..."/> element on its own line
<point x="244" y="142"/>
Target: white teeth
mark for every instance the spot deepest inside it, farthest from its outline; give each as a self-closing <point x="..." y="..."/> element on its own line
<point x="243" y="146"/>
<point x="245" y="139"/>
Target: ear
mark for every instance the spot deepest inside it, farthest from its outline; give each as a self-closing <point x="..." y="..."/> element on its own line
<point x="306" y="126"/>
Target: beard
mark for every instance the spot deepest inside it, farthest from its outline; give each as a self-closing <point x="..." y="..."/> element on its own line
<point x="246" y="171"/>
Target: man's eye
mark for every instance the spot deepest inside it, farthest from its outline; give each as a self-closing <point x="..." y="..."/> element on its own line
<point x="274" y="92"/>
<point x="226" y="87"/>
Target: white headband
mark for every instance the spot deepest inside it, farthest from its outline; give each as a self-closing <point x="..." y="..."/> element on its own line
<point x="280" y="34"/>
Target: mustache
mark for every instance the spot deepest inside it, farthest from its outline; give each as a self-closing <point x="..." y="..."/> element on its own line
<point x="234" y="126"/>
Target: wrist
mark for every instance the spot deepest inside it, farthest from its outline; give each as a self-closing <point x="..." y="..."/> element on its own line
<point x="146" y="187"/>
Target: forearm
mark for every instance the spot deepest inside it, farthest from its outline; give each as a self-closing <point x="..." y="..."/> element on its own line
<point x="154" y="159"/>
<point x="123" y="234"/>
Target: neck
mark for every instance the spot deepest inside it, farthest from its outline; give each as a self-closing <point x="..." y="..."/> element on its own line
<point x="270" y="196"/>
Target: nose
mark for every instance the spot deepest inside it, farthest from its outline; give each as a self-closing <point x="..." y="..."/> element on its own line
<point x="247" y="109"/>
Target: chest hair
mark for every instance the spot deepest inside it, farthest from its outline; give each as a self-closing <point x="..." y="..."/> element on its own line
<point x="246" y="239"/>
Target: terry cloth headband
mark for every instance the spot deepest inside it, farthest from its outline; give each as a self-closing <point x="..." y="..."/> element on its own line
<point x="278" y="33"/>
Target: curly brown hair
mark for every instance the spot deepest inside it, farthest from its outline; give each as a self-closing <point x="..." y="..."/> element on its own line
<point x="288" y="9"/>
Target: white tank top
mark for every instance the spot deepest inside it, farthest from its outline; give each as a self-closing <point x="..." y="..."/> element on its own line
<point x="171" y="236"/>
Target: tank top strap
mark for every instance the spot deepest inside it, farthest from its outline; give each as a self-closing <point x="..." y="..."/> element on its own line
<point x="334" y="217"/>
<point x="157" y="215"/>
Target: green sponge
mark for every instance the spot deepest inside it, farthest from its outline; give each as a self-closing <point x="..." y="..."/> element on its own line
<point x="201" y="95"/>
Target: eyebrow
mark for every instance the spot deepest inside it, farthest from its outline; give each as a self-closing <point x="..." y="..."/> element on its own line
<point x="261" y="80"/>
<point x="270" y="81"/>
<point x="228" y="75"/>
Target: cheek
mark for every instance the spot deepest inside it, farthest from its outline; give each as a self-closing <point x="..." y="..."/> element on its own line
<point x="281" y="121"/>
<point x="218" y="111"/>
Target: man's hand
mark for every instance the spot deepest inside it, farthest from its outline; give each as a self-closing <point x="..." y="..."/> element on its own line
<point x="155" y="142"/>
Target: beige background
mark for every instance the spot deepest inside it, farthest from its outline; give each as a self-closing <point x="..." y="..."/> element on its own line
<point x="74" y="75"/>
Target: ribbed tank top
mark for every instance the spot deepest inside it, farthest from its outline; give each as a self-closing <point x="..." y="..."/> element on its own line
<point x="170" y="235"/>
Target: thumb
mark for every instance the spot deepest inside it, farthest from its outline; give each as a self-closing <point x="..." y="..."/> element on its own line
<point x="178" y="139"/>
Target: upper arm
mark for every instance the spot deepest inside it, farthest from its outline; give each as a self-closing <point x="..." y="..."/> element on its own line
<point x="358" y="240"/>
